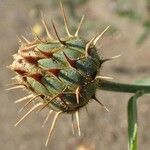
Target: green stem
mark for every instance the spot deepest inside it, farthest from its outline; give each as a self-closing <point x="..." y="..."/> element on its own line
<point x="121" y="87"/>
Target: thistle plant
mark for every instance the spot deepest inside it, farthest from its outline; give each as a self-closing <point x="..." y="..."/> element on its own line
<point x="62" y="74"/>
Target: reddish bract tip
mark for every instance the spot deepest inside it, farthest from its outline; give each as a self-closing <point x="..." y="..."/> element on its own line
<point x="55" y="72"/>
<point x="36" y="76"/>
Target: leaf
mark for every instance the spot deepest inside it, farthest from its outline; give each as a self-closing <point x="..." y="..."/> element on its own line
<point x="143" y="81"/>
<point x="131" y="14"/>
<point x="146" y="32"/>
<point x="143" y="37"/>
<point x="132" y="121"/>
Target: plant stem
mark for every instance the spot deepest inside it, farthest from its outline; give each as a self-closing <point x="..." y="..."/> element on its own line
<point x="121" y="87"/>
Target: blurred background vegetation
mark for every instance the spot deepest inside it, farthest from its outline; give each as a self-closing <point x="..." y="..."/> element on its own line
<point x="127" y="9"/>
<point x="129" y="36"/>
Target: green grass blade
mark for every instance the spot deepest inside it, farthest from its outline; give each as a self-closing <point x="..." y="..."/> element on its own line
<point x="132" y="121"/>
<point x="145" y="81"/>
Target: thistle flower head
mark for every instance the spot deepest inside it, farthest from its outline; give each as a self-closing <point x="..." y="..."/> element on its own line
<point x="59" y="73"/>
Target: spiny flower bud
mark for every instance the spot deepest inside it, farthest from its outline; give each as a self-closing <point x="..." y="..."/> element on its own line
<point x="59" y="73"/>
